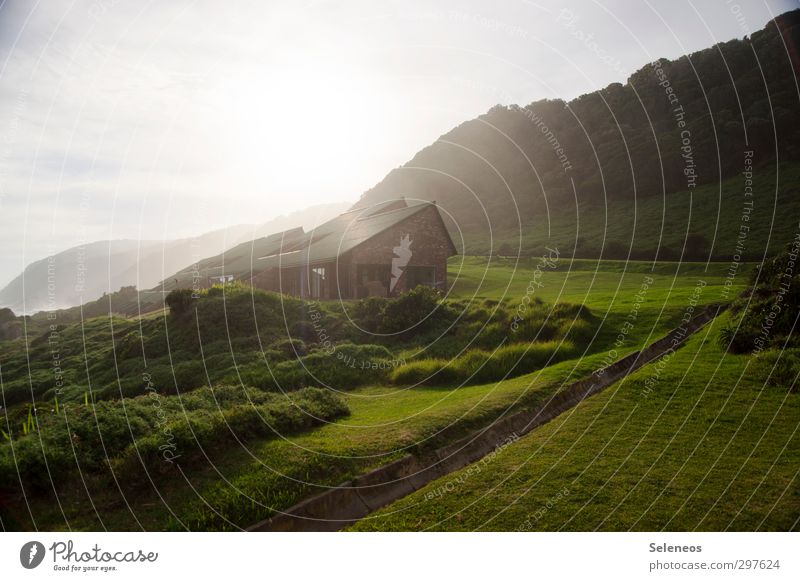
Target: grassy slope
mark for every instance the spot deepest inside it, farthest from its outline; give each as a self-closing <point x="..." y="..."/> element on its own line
<point x="242" y="483"/>
<point x="708" y="449"/>
<point x="713" y="211"/>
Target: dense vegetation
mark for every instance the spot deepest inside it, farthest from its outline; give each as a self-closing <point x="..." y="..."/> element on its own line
<point x="238" y="335"/>
<point x="767" y="317"/>
<point x="628" y="148"/>
<point x="130" y="399"/>
<point x="769" y="313"/>
<point x="150" y="434"/>
<point x="234" y="482"/>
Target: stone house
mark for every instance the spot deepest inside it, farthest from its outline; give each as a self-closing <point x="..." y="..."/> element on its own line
<point x="378" y="251"/>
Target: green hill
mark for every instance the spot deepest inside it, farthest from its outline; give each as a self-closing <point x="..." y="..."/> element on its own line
<point x="711" y="447"/>
<point x="670" y="143"/>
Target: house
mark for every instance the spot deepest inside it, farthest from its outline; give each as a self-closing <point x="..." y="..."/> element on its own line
<point x="382" y="250"/>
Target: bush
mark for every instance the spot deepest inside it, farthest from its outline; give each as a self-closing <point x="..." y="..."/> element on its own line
<point x="290" y="348"/>
<point x="368" y="313"/>
<point x="156" y="423"/>
<point x="768" y="319"/>
<point x="406" y="313"/>
<point x="180" y="301"/>
<point x="735" y="341"/>
<point x="580" y="332"/>
<point x="190" y="375"/>
<point x="409" y="310"/>
<point x="345" y="367"/>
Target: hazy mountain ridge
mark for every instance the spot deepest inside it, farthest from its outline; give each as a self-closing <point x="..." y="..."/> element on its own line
<point x="85" y="273"/>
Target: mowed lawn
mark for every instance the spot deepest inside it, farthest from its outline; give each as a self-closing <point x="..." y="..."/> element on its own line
<point x="709" y="447"/>
<point x="236" y="487"/>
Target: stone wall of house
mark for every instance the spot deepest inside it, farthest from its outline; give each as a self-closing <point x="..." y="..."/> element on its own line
<point x="429" y="246"/>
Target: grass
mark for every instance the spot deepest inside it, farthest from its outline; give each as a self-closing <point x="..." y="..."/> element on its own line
<point x="150" y="432"/>
<point x="238" y="485"/>
<point x="712" y="446"/>
<point x="478" y="366"/>
<point x="712" y="211"/>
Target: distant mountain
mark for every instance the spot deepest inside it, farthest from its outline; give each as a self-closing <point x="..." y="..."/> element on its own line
<point x="307" y="218"/>
<point x="673" y="127"/>
<point x="85" y="273"/>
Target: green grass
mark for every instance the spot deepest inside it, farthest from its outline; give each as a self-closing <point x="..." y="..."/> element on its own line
<point x="150" y="432"/>
<point x="709" y="447"/>
<point x="712" y="211"/>
<point x="239" y="485"/>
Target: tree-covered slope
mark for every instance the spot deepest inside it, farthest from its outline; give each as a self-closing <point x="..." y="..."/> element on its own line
<point x="674" y="126"/>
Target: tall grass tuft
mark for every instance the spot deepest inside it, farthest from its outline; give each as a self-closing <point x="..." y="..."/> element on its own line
<point x="480" y="366"/>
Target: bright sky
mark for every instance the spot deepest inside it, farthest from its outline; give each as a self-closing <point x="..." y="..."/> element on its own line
<point x="135" y="119"/>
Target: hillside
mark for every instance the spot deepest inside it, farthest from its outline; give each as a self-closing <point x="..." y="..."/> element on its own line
<point x="683" y="126"/>
<point x="85" y="273"/>
<point x="691" y="453"/>
<point x="236" y="345"/>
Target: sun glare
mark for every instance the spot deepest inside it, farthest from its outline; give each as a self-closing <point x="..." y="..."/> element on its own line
<point x="297" y="127"/>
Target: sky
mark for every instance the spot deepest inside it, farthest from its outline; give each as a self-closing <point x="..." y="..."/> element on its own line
<point x="160" y="120"/>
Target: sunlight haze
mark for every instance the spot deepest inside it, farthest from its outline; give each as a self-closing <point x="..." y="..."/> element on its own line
<point x="157" y="121"/>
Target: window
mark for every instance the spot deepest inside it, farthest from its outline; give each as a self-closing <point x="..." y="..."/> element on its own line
<point x="372" y="280"/>
<point x="318" y="282"/>
<point x="420" y="275"/>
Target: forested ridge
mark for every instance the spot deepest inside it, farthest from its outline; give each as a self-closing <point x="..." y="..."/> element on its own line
<point x="674" y="126"/>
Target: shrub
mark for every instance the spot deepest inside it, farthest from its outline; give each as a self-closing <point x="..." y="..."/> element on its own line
<point x="735" y="341"/>
<point x="180" y="300"/>
<point x="368" y="313"/>
<point x="536" y="328"/>
<point x="345" y="367"/>
<point x="580" y="331"/>
<point x="290" y="348"/>
<point x="208" y="417"/>
<point x="181" y="377"/>
<point x="774" y="306"/>
<point x="364" y="352"/>
<point x="190" y="375"/>
<point x="409" y="309"/>
<point x="404" y="313"/>
<point x="571" y="311"/>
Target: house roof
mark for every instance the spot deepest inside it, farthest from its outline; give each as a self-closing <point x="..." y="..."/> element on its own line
<point x="296" y="247"/>
<point x="239" y="261"/>
<point x="342" y="234"/>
